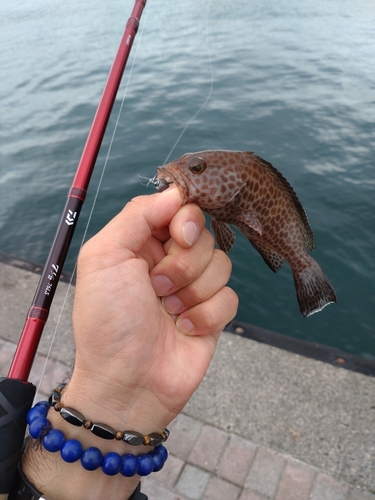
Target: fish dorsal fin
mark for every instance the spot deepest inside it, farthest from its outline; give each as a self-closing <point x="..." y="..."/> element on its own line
<point x="224" y="235"/>
<point x="280" y="179"/>
<point x="273" y="260"/>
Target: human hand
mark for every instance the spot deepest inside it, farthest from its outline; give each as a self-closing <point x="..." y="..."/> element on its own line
<point x="150" y="304"/>
<point x="143" y="280"/>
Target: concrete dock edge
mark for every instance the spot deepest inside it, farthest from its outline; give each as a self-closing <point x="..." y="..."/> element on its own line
<point x="290" y="411"/>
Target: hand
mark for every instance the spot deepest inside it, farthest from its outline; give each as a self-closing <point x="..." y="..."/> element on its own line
<point x="140" y="357"/>
<point x="149" y="306"/>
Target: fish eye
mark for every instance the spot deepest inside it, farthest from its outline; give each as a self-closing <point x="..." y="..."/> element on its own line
<point x="198" y="168"/>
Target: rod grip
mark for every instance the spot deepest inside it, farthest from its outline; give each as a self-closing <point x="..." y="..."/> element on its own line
<point x="16" y="398"/>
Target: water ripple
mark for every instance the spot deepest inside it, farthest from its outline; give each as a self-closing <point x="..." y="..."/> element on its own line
<point x="293" y="81"/>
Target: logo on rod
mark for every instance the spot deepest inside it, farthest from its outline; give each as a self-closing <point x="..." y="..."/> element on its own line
<point x="70" y="218"/>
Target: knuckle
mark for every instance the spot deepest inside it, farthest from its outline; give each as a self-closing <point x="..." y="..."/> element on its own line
<point x="232" y="301"/>
<point x="196" y="294"/>
<point x="223" y="261"/>
<point x="185" y="269"/>
<point x="209" y="318"/>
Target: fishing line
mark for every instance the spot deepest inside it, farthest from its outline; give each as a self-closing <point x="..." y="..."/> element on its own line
<point x="209" y="93"/>
<point x="138" y="42"/>
<point x="149" y="181"/>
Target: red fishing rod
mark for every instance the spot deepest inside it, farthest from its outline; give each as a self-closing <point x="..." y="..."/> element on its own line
<point x="16" y="394"/>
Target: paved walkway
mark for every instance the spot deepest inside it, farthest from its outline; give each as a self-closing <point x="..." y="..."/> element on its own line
<point x="207" y="463"/>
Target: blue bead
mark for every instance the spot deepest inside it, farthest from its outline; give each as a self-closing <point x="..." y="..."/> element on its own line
<point x="53" y="441"/>
<point x="92" y="458"/>
<point x="158" y="458"/>
<point x="71" y="450"/>
<point x="33" y="413"/>
<point x="145" y="465"/>
<point x="111" y="463"/>
<point x="129" y="465"/>
<point x="37" y="426"/>
<point x="163" y="450"/>
<point x="44" y="405"/>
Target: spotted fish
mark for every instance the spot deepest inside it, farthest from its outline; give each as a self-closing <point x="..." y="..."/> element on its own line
<point x="242" y="189"/>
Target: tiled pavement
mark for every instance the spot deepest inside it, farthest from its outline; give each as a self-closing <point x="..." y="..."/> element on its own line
<point x="206" y="463"/>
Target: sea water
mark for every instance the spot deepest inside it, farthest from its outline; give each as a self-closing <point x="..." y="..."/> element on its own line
<point x="293" y="81"/>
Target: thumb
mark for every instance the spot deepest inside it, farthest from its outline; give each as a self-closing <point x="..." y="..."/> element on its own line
<point x="133" y="226"/>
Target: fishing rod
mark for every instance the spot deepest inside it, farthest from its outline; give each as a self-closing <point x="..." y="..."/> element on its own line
<point x="16" y="394"/>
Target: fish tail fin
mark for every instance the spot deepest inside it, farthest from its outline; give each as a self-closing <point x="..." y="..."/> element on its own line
<point x="314" y="291"/>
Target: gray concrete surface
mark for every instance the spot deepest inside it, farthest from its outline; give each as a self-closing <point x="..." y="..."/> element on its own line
<point x="316" y="412"/>
<point x="302" y="418"/>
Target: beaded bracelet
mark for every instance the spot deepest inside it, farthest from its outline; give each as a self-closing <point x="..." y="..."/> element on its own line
<point x="91" y="458"/>
<point x="104" y="431"/>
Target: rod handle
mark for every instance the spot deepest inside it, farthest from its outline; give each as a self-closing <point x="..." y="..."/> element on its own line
<point x="16" y="399"/>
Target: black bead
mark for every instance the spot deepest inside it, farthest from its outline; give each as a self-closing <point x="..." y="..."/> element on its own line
<point x="55" y="397"/>
<point x="72" y="416"/>
<point x="132" y="437"/>
<point x="104" y="431"/>
<point x="155" y="439"/>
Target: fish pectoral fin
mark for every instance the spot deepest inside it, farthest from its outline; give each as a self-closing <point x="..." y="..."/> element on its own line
<point x="273" y="260"/>
<point x="252" y="221"/>
<point x="224" y="235"/>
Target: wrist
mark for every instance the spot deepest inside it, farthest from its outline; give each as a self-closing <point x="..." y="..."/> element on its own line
<point x="47" y="471"/>
<point x="121" y="407"/>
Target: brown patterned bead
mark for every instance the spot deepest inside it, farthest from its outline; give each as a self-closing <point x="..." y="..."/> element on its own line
<point x="88" y="424"/>
<point x="58" y="406"/>
<point x="146" y="440"/>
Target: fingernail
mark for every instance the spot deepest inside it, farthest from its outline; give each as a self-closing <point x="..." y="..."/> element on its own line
<point x="162" y="285"/>
<point x="190" y="232"/>
<point x="172" y="304"/>
<point x="185" y="325"/>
